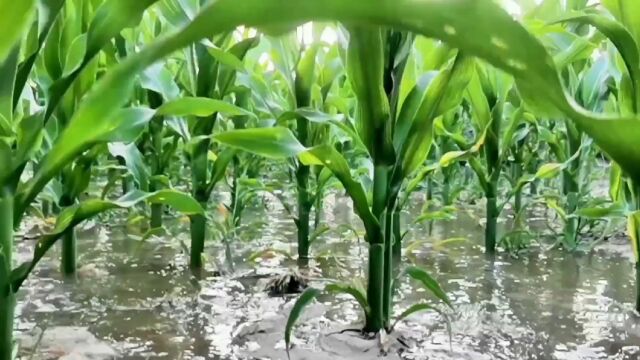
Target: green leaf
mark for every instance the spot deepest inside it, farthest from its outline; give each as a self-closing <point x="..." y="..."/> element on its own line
<point x="274" y="143"/>
<point x="442" y="94"/>
<point x="478" y="27"/>
<point x="633" y="230"/>
<point x="358" y="294"/>
<point x="134" y="161"/>
<point x="550" y="170"/>
<point x="409" y="109"/>
<point x="329" y="157"/>
<point x="365" y="69"/>
<point x="224" y="57"/>
<point x="30" y="136"/>
<point x="304" y="300"/>
<point x="412" y="310"/>
<point x="75" y="54"/>
<point x="111" y="17"/>
<point x="613" y="211"/>
<point x="428" y="282"/>
<point x="625" y="11"/>
<point x="621" y="38"/>
<point x="15" y="17"/>
<point x="199" y="106"/>
<point x="48" y="12"/>
<point x="160" y="80"/>
<point x="88" y="209"/>
<point x="124" y="126"/>
<point x="423" y="307"/>
<point x="305" y="75"/>
<point x="220" y="167"/>
<point x="310" y="114"/>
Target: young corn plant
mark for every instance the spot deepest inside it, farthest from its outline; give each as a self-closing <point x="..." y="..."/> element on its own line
<point x="304" y="78"/>
<point x="62" y="55"/>
<point x="213" y="66"/>
<point x="397" y="137"/>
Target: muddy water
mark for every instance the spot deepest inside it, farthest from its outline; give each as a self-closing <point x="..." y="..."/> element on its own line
<point x="135" y="300"/>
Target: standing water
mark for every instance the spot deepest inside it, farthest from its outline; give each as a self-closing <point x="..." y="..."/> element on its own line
<point x="137" y="300"/>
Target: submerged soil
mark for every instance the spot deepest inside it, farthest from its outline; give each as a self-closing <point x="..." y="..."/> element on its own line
<point x="138" y="300"/>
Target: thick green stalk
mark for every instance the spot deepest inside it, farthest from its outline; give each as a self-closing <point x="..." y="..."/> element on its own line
<point x="304" y="201"/>
<point x="157" y="167"/>
<point x="490" y="233"/>
<point x="375" y="322"/>
<point x="198" y="228"/>
<point x="157" y="210"/>
<point x="68" y="263"/>
<point x="387" y="297"/>
<point x="7" y="296"/>
<point x="571" y="186"/>
<point x="638" y="286"/>
<point x="199" y="175"/>
<point x="68" y="260"/>
<point x="236" y="206"/>
<point x="376" y="289"/>
<point x="428" y="199"/>
<point x="198" y="224"/>
<point x="516" y="173"/>
<point x="492" y="155"/>
<point x="304" y="210"/>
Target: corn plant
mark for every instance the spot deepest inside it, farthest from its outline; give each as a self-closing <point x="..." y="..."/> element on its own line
<point x="305" y="79"/>
<point x="396" y="136"/>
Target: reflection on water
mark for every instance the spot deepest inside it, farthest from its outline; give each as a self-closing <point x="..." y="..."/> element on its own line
<point x="140" y="300"/>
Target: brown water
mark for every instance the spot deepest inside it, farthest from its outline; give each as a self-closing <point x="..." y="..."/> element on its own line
<point x="138" y="301"/>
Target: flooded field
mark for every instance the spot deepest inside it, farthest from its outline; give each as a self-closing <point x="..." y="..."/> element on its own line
<point x="138" y="300"/>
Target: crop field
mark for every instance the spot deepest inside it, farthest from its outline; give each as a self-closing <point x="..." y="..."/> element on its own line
<point x="319" y="179"/>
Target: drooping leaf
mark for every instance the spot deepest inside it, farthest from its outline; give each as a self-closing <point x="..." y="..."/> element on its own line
<point x="78" y="213"/>
<point x="615" y="210"/>
<point x="199" y="106"/>
<point x="124" y="126"/>
<point x="428" y="282"/>
<point x="274" y="143"/>
<point x="358" y="294"/>
<point x="134" y="160"/>
<point x="303" y="301"/>
<point x="328" y="156"/>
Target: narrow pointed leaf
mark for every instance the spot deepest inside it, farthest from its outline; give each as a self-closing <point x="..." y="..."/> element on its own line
<point x="78" y="213"/>
<point x="428" y="282"/>
<point x="274" y="143"/>
<point x="199" y="106"/>
<point x="303" y="301"/>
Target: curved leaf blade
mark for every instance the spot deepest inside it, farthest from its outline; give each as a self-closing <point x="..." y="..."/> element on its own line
<point x="303" y="301"/>
<point x="428" y="282"/>
<point x="78" y="213"/>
